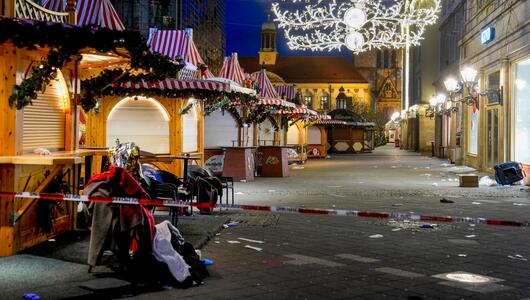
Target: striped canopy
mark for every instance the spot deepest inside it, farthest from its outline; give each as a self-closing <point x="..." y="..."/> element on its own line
<point x="175" y="84"/>
<point x="173" y="43"/>
<point x="276" y="101"/>
<point x="266" y="89"/>
<point x="90" y="12"/>
<point x="232" y="69"/>
<point x="287" y="91"/>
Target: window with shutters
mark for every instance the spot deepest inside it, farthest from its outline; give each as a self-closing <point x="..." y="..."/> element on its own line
<point x="44" y="120"/>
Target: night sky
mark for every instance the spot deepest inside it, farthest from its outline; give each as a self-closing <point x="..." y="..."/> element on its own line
<point x="243" y="29"/>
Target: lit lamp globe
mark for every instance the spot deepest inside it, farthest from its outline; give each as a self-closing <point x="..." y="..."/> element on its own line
<point x="433" y="101"/>
<point x="451" y="85"/>
<point x="441" y="98"/>
<point x="354" y="17"/>
<point x="354" y="41"/>
<point x="468" y="74"/>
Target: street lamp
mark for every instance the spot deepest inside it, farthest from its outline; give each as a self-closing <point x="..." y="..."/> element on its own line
<point x="451" y="85"/>
<point x="468" y="75"/>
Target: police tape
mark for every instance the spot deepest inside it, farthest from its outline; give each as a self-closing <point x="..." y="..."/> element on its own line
<point x="396" y="216"/>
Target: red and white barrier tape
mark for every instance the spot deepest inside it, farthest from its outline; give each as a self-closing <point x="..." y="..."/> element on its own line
<point x="282" y="209"/>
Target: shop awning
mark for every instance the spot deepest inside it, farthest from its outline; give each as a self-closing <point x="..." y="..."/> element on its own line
<point x="90" y="12"/>
<point x="234" y="86"/>
<point x="232" y="69"/>
<point x="276" y="101"/>
<point x="175" y="84"/>
<point x="330" y="122"/>
<point x="266" y="89"/>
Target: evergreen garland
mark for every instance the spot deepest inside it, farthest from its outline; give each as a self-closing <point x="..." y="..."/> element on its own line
<point x="66" y="42"/>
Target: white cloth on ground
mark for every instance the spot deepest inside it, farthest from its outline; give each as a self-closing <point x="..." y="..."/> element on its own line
<point x="164" y="251"/>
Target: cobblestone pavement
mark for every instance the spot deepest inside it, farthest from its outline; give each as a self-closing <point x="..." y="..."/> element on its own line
<point x="324" y="257"/>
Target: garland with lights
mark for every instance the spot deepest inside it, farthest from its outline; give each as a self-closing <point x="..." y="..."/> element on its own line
<point x="358" y="25"/>
<point x="66" y="42"/>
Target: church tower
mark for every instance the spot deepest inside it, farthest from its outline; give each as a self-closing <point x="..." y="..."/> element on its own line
<point x="267" y="53"/>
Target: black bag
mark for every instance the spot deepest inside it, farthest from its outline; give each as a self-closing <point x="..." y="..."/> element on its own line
<point x="508" y="173"/>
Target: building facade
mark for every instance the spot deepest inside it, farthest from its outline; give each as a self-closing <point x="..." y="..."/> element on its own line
<point x="496" y="42"/>
<point x="319" y="79"/>
<point x="205" y="17"/>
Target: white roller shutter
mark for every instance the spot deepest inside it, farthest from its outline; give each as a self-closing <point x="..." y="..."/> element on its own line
<point x="266" y="132"/>
<point x="314" y="136"/>
<point x="293" y="135"/>
<point x="44" y="121"/>
<point x="190" y="125"/>
<point x="219" y="130"/>
<point x="141" y="121"/>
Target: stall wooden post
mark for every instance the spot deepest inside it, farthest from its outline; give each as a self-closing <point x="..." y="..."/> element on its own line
<point x="7" y="146"/>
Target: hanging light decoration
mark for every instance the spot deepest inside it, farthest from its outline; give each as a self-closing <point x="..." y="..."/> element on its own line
<point x="358" y="25"/>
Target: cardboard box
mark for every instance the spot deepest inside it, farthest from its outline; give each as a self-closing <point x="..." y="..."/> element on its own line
<point x="468" y="180"/>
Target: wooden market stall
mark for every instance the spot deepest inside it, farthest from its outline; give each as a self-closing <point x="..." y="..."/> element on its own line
<point x="38" y="128"/>
<point x="351" y="135"/>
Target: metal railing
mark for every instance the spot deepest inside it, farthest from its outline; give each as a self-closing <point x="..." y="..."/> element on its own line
<point x="28" y="9"/>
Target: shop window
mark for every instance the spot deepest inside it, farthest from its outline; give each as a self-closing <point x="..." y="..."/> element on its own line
<point x="308" y="101"/>
<point x="522" y="112"/>
<point x="473" y="131"/>
<point x="324" y="102"/>
<point x="341" y="103"/>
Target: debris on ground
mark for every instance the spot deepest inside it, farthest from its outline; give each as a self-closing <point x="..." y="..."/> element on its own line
<point x="520" y="204"/>
<point x="517" y="257"/>
<point x="376" y="236"/>
<point x="239" y="193"/>
<point x="298" y="168"/>
<point x="233" y="242"/>
<point x="397" y="204"/>
<point x="251" y="241"/>
<point x="470" y="236"/>
<point x="476" y="203"/>
<point x="426" y="175"/>
<point x="207" y="262"/>
<point x="428" y="226"/>
<point x="444" y="200"/>
<point x="435" y="184"/>
<point x="396" y="229"/>
<point x="253" y="248"/>
<point x="462" y="255"/>
<point x="31" y="296"/>
<point x="487" y="181"/>
<point x="231" y="224"/>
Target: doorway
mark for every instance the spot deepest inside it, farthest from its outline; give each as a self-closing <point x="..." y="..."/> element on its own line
<point x="493" y="127"/>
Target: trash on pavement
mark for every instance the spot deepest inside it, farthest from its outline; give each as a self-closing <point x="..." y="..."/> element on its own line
<point x="520" y="204"/>
<point x="462" y="255"/>
<point x="251" y="241"/>
<point x="397" y="204"/>
<point x="253" y="248"/>
<point x="435" y="184"/>
<point x="376" y="236"/>
<point x="231" y="224"/>
<point x="476" y="203"/>
<point x="470" y="236"/>
<point x="233" y="242"/>
<point x="426" y="175"/>
<point x="443" y="200"/>
<point x="517" y="257"/>
<point x="396" y="229"/>
<point x="487" y="181"/>
<point x="298" y="168"/>
<point x="508" y="173"/>
<point x="468" y="180"/>
<point x="239" y="193"/>
<point x="428" y="226"/>
<point x="31" y="296"/>
<point x="207" y="262"/>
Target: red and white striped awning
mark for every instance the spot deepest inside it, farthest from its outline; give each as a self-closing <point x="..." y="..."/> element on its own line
<point x="276" y="101"/>
<point x="232" y="69"/>
<point x="207" y="74"/>
<point x="175" y="84"/>
<point x="286" y="91"/>
<point x="90" y="12"/>
<point x="171" y="43"/>
<point x="266" y="89"/>
<point x="330" y="122"/>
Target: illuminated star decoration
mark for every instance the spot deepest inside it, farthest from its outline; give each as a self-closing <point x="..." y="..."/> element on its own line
<point x="359" y="25"/>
